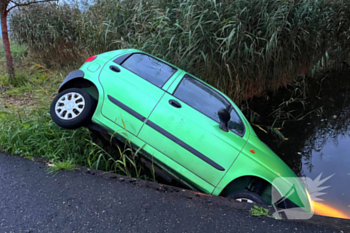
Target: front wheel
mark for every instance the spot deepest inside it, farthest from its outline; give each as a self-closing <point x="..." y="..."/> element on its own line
<point x="72" y="108"/>
<point x="247" y="196"/>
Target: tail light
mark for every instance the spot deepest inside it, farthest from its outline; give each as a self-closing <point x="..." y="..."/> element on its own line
<point x="91" y="58"/>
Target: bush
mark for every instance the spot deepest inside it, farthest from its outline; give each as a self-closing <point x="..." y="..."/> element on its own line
<point x="49" y="30"/>
<point x="241" y="47"/>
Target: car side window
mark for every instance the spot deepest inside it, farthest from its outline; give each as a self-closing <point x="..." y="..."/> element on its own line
<point x="207" y="101"/>
<point x="235" y="124"/>
<point x="149" y="68"/>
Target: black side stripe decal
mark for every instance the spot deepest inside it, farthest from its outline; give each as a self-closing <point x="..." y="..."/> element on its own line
<point x="126" y="108"/>
<point x="184" y="145"/>
<point x="166" y="133"/>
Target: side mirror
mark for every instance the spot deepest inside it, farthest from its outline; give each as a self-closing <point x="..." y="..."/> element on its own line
<point x="224" y="117"/>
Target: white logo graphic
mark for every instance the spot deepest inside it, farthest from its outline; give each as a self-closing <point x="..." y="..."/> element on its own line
<point x="294" y="202"/>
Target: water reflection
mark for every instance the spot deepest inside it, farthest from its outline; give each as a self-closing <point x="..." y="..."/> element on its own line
<point x="321" y="143"/>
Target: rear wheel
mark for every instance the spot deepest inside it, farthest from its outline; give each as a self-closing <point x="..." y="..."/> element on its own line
<point x="72" y="108"/>
<point x="247" y="196"/>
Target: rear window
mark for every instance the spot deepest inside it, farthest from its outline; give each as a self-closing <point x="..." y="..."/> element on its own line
<point x="149" y="68"/>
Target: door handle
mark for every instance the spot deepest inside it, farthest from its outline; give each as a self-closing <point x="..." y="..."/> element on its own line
<point x="175" y="103"/>
<point x="114" y="68"/>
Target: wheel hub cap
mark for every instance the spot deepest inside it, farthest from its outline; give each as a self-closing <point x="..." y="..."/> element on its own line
<point x="70" y="106"/>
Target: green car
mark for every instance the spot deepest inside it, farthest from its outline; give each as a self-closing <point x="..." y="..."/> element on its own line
<point x="191" y="132"/>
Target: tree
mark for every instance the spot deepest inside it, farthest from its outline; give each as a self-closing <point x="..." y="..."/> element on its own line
<point x="5" y="7"/>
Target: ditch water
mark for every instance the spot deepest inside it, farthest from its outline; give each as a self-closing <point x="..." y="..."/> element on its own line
<point x="320" y="142"/>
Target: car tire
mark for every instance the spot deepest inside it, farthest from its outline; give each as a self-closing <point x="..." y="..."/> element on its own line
<point x="72" y="108"/>
<point x="247" y="196"/>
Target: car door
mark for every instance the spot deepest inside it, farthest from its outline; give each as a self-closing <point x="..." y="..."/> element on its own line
<point x="132" y="88"/>
<point x="185" y="127"/>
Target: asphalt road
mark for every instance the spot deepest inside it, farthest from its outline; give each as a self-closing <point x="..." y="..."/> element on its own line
<point x="31" y="200"/>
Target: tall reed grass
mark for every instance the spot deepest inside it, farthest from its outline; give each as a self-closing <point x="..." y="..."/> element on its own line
<point x="242" y="47"/>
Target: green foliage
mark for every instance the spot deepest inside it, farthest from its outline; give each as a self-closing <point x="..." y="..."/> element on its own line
<point x="35" y="134"/>
<point x="122" y="159"/>
<point x="17" y="50"/>
<point x="241" y="47"/>
<point x="49" y="30"/>
<point x="20" y="80"/>
<point x="260" y="211"/>
<point x="59" y="166"/>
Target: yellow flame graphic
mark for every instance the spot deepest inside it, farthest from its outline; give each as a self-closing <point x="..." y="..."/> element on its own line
<point x="326" y="210"/>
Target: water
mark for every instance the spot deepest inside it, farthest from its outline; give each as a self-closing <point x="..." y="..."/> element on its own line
<point x="319" y="143"/>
